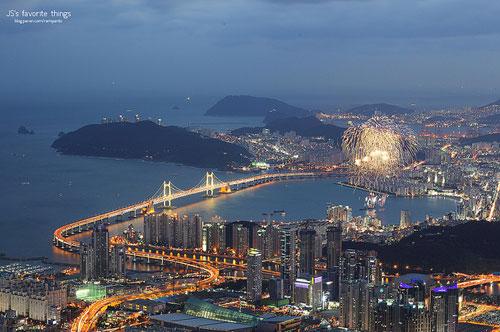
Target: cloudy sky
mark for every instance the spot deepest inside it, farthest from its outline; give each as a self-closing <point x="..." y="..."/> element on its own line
<point x="349" y="51"/>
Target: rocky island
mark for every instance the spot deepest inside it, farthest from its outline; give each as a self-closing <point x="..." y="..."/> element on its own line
<point x="269" y="108"/>
<point x="150" y="141"/>
<point x="25" y="131"/>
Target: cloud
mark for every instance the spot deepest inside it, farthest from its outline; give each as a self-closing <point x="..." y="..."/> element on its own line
<point x="292" y="45"/>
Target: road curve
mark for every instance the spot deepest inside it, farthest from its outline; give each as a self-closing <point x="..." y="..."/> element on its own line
<point x="62" y="238"/>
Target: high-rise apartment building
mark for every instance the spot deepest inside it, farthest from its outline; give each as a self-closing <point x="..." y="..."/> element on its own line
<point x="339" y="213"/>
<point x="118" y="261"/>
<point x="405" y="221"/>
<point x="333" y="253"/>
<point x="288" y="267"/>
<point x="254" y="275"/>
<point x="214" y="237"/>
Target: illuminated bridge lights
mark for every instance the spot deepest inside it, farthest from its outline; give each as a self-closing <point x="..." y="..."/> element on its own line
<point x="168" y="192"/>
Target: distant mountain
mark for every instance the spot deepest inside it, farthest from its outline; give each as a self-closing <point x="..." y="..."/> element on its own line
<point x="305" y="127"/>
<point x="255" y="106"/>
<point x="147" y="140"/>
<point x="385" y="109"/>
<point x="495" y="104"/>
<point x="484" y="138"/>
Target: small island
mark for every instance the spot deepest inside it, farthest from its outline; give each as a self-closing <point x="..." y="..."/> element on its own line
<point x="22" y="130"/>
<point x="149" y="141"/>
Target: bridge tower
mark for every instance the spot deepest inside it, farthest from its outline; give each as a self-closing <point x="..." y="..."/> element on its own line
<point x="209" y="184"/>
<point x="167" y="194"/>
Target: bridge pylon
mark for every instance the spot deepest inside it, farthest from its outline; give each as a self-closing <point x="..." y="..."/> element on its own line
<point x="209" y="184"/>
<point x="167" y="194"/>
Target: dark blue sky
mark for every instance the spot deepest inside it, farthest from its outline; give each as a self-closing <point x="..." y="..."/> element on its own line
<point x="318" y="52"/>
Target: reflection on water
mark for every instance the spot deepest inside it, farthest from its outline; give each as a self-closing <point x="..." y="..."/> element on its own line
<point x="300" y="199"/>
<point x="66" y="188"/>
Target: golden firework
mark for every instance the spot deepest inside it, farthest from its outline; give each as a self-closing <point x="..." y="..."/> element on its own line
<point x="378" y="147"/>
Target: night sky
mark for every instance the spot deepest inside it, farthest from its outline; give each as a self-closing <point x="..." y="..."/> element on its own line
<point x="318" y="52"/>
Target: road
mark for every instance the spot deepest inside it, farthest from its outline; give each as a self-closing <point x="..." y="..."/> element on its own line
<point x="62" y="238"/>
<point x="89" y="317"/>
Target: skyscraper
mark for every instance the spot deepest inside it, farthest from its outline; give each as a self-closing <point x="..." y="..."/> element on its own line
<point x="240" y="239"/>
<point x="307" y="253"/>
<point x="405" y="220"/>
<point x="195" y="232"/>
<point x="309" y="291"/>
<point x="118" y="261"/>
<point x="214" y="237"/>
<point x="158" y="229"/>
<point x="394" y="315"/>
<point x="359" y="274"/>
<point x="276" y="289"/>
<point x="87" y="269"/>
<point x="288" y="239"/>
<point x="268" y="240"/>
<point x="339" y="213"/>
<point x="444" y="308"/>
<point x="254" y="275"/>
<point x="333" y="253"/>
<point x="100" y="250"/>
<point x="94" y="257"/>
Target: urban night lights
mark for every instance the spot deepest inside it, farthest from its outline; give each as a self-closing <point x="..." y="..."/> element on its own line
<point x="250" y="166"/>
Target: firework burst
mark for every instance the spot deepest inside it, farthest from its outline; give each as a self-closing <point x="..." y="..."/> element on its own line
<point x="378" y="147"/>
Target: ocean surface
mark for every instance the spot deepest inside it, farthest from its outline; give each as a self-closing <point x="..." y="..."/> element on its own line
<point x="41" y="190"/>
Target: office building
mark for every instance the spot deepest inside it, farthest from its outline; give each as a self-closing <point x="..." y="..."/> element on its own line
<point x="307" y="256"/>
<point x="397" y="316"/>
<point x="276" y="289"/>
<point x="444" y="308"/>
<point x="333" y="253"/>
<point x="309" y="292"/>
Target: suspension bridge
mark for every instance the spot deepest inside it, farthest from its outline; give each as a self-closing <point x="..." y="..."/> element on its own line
<point x="209" y="185"/>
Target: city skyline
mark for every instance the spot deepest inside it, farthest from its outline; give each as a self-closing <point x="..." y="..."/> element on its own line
<point x="250" y="166"/>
